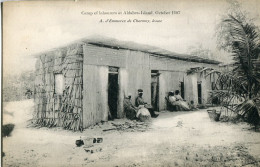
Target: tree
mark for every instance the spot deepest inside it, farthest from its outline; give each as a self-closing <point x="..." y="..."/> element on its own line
<point x="15" y="87"/>
<point x="198" y="50"/>
<point x="238" y="35"/>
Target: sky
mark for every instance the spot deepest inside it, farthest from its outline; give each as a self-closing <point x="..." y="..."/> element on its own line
<point x="34" y="27"/>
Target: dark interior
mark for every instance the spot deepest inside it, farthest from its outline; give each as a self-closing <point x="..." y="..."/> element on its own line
<point x="199" y="93"/>
<point x="113" y="94"/>
<point x="182" y="90"/>
<point x="155" y="89"/>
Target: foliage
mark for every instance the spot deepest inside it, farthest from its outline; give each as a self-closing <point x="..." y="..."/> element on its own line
<point x="198" y="50"/>
<point x="16" y="86"/>
<point x="238" y="87"/>
<point x="198" y="70"/>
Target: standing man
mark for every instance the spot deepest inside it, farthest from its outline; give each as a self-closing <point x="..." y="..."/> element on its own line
<point x="140" y="101"/>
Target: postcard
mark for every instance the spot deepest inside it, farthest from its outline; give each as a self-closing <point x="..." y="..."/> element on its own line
<point x="130" y="83"/>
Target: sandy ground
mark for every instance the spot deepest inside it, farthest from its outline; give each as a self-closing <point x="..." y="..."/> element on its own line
<point x="173" y="139"/>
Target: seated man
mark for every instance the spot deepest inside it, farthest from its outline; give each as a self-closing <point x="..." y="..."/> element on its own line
<point x="182" y="105"/>
<point x="171" y="102"/>
<point x="129" y="109"/>
<point x="140" y="101"/>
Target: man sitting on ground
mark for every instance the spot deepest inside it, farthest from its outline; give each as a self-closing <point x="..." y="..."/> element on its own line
<point x="182" y="105"/>
<point x="171" y="102"/>
<point x="129" y="108"/>
<point x="140" y="101"/>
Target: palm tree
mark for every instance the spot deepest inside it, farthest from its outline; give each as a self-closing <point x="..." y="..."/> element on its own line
<point x="242" y="82"/>
<point x="244" y="79"/>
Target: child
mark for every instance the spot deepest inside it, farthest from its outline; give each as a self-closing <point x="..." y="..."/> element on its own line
<point x="192" y="106"/>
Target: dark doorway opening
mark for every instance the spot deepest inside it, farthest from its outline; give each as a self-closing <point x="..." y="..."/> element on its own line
<point x="113" y="91"/>
<point x="199" y="93"/>
<point x="182" y="90"/>
<point x="155" y="89"/>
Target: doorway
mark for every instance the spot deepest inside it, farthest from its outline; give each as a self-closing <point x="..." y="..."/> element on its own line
<point x="113" y="92"/>
<point x="182" y="90"/>
<point x="155" y="89"/>
<point x="199" y="93"/>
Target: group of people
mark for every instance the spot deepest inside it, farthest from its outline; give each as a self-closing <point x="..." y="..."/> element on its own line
<point x="176" y="102"/>
<point x="144" y="111"/>
<point x="141" y="110"/>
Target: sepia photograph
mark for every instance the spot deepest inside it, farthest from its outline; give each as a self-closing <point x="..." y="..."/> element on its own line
<point x="122" y="83"/>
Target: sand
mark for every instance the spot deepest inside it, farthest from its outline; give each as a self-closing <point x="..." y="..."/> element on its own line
<point x="172" y="139"/>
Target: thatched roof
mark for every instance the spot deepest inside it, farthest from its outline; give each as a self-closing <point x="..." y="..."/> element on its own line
<point x="117" y="44"/>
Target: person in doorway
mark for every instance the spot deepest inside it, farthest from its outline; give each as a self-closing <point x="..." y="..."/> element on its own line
<point x="182" y="105"/>
<point x="129" y="109"/>
<point x="140" y="101"/>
